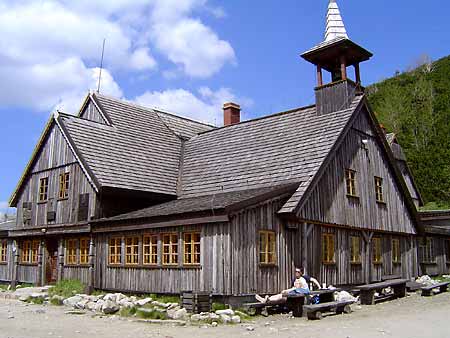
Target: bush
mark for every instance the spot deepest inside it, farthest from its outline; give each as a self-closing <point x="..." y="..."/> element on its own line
<point x="67" y="288"/>
<point x="127" y="312"/>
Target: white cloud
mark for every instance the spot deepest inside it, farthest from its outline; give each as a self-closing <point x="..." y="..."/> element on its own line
<point x="206" y="106"/>
<point x="49" y="49"/>
<point x="5" y="210"/>
<point x="142" y="60"/>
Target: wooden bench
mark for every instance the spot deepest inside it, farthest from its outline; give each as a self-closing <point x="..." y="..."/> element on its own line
<point x="315" y="311"/>
<point x="390" y="277"/>
<point x="429" y="290"/>
<point x="264" y="309"/>
<point x="367" y="295"/>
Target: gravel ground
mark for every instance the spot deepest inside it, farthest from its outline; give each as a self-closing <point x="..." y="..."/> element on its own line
<point x="410" y="317"/>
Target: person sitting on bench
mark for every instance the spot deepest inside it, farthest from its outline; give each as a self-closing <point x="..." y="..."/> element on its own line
<point x="300" y="288"/>
<point x="300" y="272"/>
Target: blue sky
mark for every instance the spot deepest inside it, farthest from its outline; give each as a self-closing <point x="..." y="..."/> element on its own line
<point x="187" y="56"/>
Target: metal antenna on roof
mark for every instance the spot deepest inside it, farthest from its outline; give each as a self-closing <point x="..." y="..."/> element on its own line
<point x="101" y="67"/>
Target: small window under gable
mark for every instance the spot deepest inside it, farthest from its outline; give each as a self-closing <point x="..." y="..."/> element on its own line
<point x="379" y="189"/>
<point x="43" y="189"/>
<point x="64" y="180"/>
<point x="350" y="180"/>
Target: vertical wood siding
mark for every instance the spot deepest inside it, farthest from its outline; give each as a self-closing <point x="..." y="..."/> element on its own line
<point x="6" y="269"/>
<point x="90" y="112"/>
<point x="67" y="209"/>
<point x="329" y="203"/>
<point x="440" y="266"/>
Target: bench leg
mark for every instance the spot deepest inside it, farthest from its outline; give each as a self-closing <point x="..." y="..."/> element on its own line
<point x="367" y="297"/>
<point x="443" y="288"/>
<point x="427" y="293"/>
<point x="400" y="291"/>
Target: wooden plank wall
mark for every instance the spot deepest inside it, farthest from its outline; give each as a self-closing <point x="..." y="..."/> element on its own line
<point x="28" y="274"/>
<point x="328" y="202"/>
<point x="80" y="273"/>
<point x="345" y="273"/>
<point x="215" y="245"/>
<point x="67" y="209"/>
<point x="6" y="269"/>
<point x="91" y="113"/>
<point x="246" y="273"/>
<point x="334" y="97"/>
<point x="440" y="266"/>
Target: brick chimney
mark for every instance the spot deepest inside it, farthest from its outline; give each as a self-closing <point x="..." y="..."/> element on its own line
<point x="231" y="114"/>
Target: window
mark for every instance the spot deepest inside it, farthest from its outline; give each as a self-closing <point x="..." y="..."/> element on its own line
<point x="192" y="248"/>
<point x="350" y="179"/>
<point x="447" y="250"/>
<point x="115" y="251"/>
<point x="170" y="249"/>
<point x="396" y="255"/>
<point x="376" y="251"/>
<point x="427" y="249"/>
<point x="355" y="250"/>
<point x="84" y="251"/>
<point x="30" y="251"/>
<point x="379" y="189"/>
<point x="132" y="250"/>
<point x="150" y="248"/>
<point x="328" y="248"/>
<point x="43" y="189"/>
<point x="3" y="251"/>
<point x="267" y="247"/>
<point x="71" y="251"/>
<point x="64" y="185"/>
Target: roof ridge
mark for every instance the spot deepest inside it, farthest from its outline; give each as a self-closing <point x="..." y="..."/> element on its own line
<point x="150" y="109"/>
<point x="261" y="118"/>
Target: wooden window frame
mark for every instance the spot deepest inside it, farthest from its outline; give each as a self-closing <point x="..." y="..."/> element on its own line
<point x="150" y="250"/>
<point x="328" y="248"/>
<point x="71" y="248"/>
<point x="190" y="255"/>
<point x="173" y="257"/>
<point x="43" y="190"/>
<point x="396" y="251"/>
<point x="447" y="251"/>
<point x="355" y="251"/>
<point x="267" y="248"/>
<point x="132" y="250"/>
<point x="350" y="183"/>
<point x="3" y="251"/>
<point x="377" y="250"/>
<point x="428" y="251"/>
<point x="64" y="185"/>
<point x="117" y="255"/>
<point x="85" y="243"/>
<point x="29" y="254"/>
<point x="379" y="195"/>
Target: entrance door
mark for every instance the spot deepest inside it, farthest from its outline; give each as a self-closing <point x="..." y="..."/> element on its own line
<point x="51" y="263"/>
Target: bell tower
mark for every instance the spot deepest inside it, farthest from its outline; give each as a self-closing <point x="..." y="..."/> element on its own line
<point x="334" y="55"/>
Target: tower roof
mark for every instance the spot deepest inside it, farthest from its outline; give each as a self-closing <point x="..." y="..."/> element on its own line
<point x="335" y="25"/>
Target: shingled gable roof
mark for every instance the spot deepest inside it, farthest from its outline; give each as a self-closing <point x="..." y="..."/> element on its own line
<point x="282" y="148"/>
<point x="139" y="150"/>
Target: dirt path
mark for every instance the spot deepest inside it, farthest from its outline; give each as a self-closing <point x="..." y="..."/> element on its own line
<point x="411" y="317"/>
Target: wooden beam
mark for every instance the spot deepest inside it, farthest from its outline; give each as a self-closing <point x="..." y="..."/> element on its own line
<point x="319" y="76"/>
<point x="90" y="285"/>
<point x="60" y="259"/>
<point x="343" y="68"/>
<point x="357" y="74"/>
<point x="15" y="272"/>
<point x="174" y="223"/>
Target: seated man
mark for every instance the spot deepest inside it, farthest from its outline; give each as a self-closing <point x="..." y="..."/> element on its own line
<point x="300" y="272"/>
<point x="300" y="287"/>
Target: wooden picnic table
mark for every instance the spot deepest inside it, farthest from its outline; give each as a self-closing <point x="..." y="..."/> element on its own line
<point x="368" y="291"/>
<point x="295" y="303"/>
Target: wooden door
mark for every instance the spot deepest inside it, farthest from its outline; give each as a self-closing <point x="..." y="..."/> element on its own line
<point x="51" y="264"/>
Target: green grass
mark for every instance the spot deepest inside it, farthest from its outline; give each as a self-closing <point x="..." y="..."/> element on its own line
<point x="127" y="312"/>
<point x="67" y="288"/>
<point x="24" y="285"/>
<point x="441" y="279"/>
<point x="218" y="306"/>
<point x="3" y="287"/>
<point x="162" y="299"/>
<point x="151" y="314"/>
<point x="38" y="301"/>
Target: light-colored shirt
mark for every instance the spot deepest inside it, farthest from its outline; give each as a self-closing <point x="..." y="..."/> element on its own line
<point x="301" y="283"/>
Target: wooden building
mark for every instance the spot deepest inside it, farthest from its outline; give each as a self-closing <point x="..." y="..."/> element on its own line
<point x="129" y="198"/>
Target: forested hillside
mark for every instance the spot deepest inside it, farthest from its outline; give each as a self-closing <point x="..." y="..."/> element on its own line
<point x="416" y="106"/>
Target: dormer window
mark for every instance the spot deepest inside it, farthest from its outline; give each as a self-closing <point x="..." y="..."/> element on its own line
<point x="350" y="180"/>
<point x="43" y="189"/>
<point x="64" y="180"/>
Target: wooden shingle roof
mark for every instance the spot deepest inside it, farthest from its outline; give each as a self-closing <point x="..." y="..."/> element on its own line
<point x="279" y="149"/>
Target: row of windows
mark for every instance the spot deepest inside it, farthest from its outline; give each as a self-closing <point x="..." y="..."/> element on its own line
<point x="3" y="251"/>
<point x="128" y="250"/>
<point x="64" y="182"/>
<point x="329" y="249"/>
<point x="350" y="180"/>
